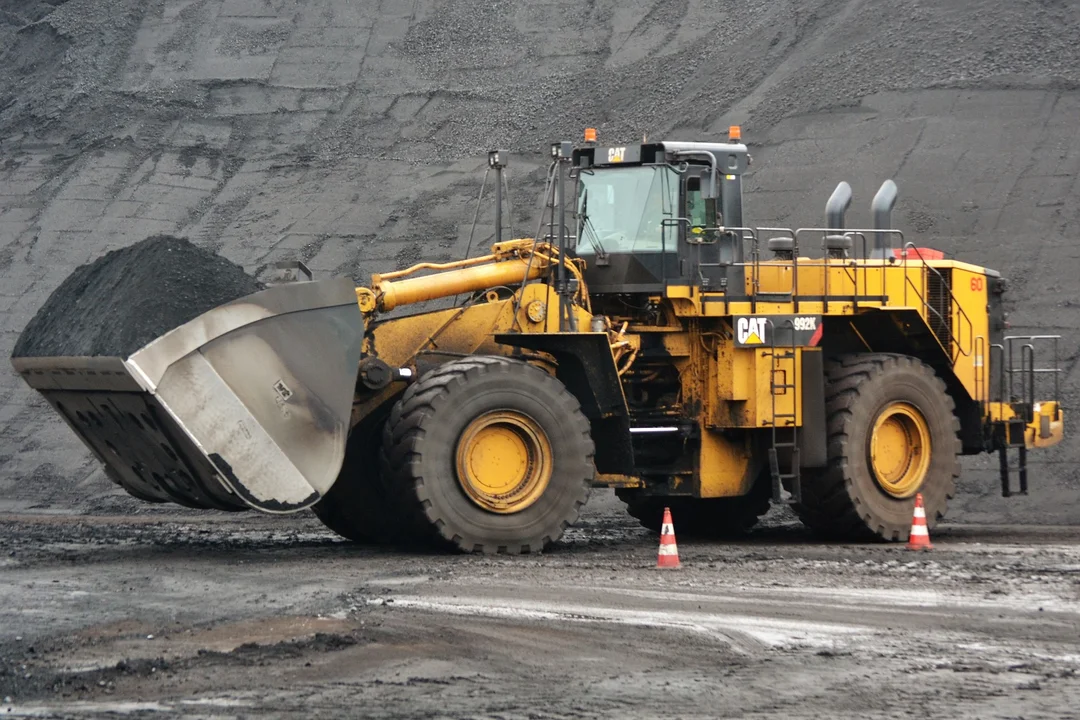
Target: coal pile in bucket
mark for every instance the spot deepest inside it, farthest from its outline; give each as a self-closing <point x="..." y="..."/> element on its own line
<point x="123" y="300"/>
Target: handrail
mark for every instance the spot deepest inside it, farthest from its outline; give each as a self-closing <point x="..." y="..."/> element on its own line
<point x="954" y="338"/>
<point x="1031" y="370"/>
<point x="743" y="234"/>
<point x="964" y="327"/>
<point x="858" y="236"/>
<point x="1027" y="371"/>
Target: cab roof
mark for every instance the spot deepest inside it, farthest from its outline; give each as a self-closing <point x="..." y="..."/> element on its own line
<point x="730" y="158"/>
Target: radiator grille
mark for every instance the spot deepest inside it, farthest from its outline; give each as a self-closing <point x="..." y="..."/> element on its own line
<point x="939" y="303"/>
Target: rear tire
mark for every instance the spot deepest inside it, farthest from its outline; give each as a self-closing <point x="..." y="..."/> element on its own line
<point x="706" y="518"/>
<point x="355" y="507"/>
<point x="489" y="455"/>
<point x="876" y="406"/>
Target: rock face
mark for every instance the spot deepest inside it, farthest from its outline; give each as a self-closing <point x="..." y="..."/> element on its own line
<point x="128" y="297"/>
<point x="354" y="135"/>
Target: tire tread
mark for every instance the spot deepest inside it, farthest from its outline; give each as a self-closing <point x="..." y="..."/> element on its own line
<point x="831" y="504"/>
<point x="403" y="452"/>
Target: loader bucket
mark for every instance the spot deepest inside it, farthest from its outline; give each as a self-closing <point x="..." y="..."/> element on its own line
<point x="247" y="405"/>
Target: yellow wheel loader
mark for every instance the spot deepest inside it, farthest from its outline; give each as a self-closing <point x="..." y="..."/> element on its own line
<point x="650" y="340"/>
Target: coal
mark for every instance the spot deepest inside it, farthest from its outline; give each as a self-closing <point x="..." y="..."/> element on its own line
<point x="128" y="297"/>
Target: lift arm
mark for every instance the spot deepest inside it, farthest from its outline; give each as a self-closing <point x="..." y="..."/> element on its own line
<point x="511" y="263"/>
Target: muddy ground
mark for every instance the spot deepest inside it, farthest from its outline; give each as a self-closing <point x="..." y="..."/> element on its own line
<point x="238" y="616"/>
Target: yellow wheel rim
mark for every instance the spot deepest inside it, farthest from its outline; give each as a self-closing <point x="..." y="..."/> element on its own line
<point x="900" y="450"/>
<point x="504" y="461"/>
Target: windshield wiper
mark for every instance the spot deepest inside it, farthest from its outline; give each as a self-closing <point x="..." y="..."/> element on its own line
<point x="586" y="224"/>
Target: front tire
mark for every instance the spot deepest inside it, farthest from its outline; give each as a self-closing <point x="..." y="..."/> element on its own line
<point x="892" y="433"/>
<point x="491" y="455"/>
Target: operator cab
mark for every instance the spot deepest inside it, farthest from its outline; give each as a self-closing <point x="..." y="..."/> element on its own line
<point x="650" y="216"/>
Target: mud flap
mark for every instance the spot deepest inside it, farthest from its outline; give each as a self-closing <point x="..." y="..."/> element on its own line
<point x="247" y="405"/>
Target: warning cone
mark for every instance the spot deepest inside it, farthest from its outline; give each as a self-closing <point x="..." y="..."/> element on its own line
<point x="668" y="556"/>
<point x="919" y="539"/>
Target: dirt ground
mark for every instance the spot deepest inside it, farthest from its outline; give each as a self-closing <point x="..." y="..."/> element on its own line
<point x="240" y="616"/>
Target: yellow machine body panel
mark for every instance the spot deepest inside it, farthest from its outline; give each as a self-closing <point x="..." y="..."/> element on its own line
<point x="957" y="314"/>
<point x="726" y="466"/>
<point x="1046" y="429"/>
<point x="752" y="387"/>
<point x="969" y="314"/>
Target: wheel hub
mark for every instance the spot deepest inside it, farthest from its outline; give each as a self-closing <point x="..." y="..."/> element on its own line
<point x="503" y="461"/>
<point x="900" y="450"/>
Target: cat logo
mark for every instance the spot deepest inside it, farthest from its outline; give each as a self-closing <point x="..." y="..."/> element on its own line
<point x="616" y="154"/>
<point x="750" y="330"/>
<point x="779" y="330"/>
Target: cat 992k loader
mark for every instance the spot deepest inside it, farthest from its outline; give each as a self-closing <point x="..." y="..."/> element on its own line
<point x="650" y="341"/>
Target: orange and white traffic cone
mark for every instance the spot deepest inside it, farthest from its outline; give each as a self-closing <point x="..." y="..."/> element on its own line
<point x="668" y="556"/>
<point x="919" y="539"/>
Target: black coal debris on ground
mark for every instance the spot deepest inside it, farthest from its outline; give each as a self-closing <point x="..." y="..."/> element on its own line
<point x="24" y="677"/>
<point x="118" y="303"/>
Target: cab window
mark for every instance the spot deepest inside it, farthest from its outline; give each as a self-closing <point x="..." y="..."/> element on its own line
<point x="622" y="210"/>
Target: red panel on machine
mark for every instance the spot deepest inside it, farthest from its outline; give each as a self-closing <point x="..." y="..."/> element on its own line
<point x="920" y="252"/>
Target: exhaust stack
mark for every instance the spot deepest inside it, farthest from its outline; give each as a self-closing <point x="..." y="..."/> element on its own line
<point x="881" y="208"/>
<point x="837" y="206"/>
